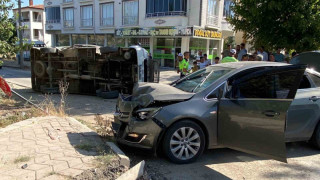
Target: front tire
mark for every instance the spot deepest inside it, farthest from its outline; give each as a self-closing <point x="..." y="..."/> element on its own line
<point x="184" y="142"/>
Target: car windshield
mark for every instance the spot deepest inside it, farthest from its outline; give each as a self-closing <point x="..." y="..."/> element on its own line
<point x="201" y="79"/>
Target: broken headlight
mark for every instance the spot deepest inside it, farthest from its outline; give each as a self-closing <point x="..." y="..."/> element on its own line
<point x="146" y="113"/>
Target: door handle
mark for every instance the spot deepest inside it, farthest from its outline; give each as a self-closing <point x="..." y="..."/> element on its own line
<point x="271" y="113"/>
<point x="314" y="98"/>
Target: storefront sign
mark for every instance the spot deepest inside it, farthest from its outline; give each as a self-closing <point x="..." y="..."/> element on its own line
<point x="207" y="33"/>
<point x="163" y="56"/>
<point x="174" y="31"/>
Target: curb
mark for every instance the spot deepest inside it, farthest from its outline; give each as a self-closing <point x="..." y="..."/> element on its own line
<point x="124" y="160"/>
<point x="133" y="173"/>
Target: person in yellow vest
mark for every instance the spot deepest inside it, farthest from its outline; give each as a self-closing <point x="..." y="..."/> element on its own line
<point x="183" y="64"/>
<point x="231" y="57"/>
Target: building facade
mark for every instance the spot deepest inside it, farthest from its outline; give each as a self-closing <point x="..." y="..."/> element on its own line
<point x="33" y="21"/>
<point x="164" y="27"/>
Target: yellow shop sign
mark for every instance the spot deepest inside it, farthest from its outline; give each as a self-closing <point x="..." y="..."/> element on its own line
<point x="207" y="33"/>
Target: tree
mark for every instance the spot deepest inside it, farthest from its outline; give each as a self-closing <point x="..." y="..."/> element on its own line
<point x="7" y="28"/>
<point x="290" y="24"/>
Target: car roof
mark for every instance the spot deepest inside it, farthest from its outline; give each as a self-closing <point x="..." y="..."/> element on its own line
<point x="250" y="64"/>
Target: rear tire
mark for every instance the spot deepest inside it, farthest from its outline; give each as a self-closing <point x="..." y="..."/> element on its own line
<point x="184" y="142"/>
<point x="316" y="137"/>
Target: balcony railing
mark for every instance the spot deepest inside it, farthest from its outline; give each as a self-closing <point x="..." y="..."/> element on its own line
<point x="86" y="22"/>
<point x="107" y="21"/>
<point x="66" y="1"/>
<point x="213" y="21"/>
<point x="53" y="21"/>
<point x="171" y="13"/>
<point x="130" y="20"/>
<point x="68" y="23"/>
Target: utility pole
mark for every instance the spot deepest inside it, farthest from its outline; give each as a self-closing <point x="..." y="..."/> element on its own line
<point x="20" y="61"/>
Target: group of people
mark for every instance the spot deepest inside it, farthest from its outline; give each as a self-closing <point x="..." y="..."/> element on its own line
<point x="241" y="54"/>
<point x="229" y="55"/>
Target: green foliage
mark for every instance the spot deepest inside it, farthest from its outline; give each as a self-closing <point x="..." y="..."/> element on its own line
<point x="8" y="31"/>
<point x="290" y="24"/>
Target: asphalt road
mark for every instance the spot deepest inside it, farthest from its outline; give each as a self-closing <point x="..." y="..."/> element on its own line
<point x="303" y="159"/>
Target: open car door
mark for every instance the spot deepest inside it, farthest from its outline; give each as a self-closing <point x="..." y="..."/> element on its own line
<point x="253" y="112"/>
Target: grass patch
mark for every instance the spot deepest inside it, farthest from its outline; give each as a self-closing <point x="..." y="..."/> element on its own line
<point x="22" y="159"/>
<point x="103" y="160"/>
<point x="86" y="147"/>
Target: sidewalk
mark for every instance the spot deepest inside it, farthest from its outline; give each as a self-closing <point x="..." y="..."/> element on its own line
<point x="47" y="148"/>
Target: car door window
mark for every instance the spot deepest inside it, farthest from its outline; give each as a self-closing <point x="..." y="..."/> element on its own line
<point x="315" y="79"/>
<point x="270" y="86"/>
<point x="215" y="93"/>
<point x="305" y="83"/>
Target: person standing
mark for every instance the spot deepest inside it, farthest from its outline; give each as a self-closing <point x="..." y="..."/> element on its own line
<point x="198" y="56"/>
<point x="216" y="60"/>
<point x="245" y="57"/>
<point x="263" y="53"/>
<point x="279" y="57"/>
<point x="208" y="61"/>
<point x="272" y="58"/>
<point x="242" y="51"/>
<point x="238" y="51"/>
<point x="231" y="57"/>
<point x="226" y="52"/>
<point x="203" y="63"/>
<point x="183" y="65"/>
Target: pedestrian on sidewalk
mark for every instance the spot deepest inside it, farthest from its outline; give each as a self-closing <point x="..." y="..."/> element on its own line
<point x="245" y="57"/>
<point x="242" y="52"/>
<point x="272" y="58"/>
<point x="226" y="52"/>
<point x="182" y="65"/>
<point x="263" y="53"/>
<point x="279" y="57"/>
<point x="231" y="57"/>
<point x="216" y="60"/>
<point x="208" y="61"/>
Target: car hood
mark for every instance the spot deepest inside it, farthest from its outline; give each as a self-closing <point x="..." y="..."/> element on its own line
<point x="312" y="59"/>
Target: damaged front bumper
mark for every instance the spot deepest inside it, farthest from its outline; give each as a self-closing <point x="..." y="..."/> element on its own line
<point x="133" y="131"/>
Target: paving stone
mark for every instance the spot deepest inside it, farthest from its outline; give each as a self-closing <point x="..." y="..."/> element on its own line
<point x="54" y="177"/>
<point x="41" y="173"/>
<point x="41" y="159"/>
<point x="84" y="166"/>
<point x="6" y="177"/>
<point x="71" y="172"/>
<point x="36" y="167"/>
<point x="55" y="155"/>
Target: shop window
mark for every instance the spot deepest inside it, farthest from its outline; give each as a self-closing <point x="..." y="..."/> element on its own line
<point x="196" y="45"/>
<point x="79" y="39"/>
<point x="157" y="8"/>
<point x="62" y="40"/>
<point x="96" y="40"/>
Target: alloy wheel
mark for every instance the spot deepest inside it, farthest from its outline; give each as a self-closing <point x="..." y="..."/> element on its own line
<point x="185" y="143"/>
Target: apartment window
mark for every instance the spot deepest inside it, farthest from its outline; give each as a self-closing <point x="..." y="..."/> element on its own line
<point x="68" y="17"/>
<point x="212" y="14"/>
<point x="156" y="8"/>
<point x="106" y="14"/>
<point x="65" y="1"/>
<point x="53" y="15"/>
<point x="86" y="16"/>
<point x="130" y="12"/>
<point x="227" y="10"/>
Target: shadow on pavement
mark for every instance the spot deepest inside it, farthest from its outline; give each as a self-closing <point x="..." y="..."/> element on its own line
<point x="162" y="168"/>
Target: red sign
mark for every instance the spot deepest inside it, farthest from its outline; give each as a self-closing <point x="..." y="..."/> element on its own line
<point x="5" y="87"/>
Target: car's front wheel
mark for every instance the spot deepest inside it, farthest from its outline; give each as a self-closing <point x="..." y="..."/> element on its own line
<point x="184" y="142"/>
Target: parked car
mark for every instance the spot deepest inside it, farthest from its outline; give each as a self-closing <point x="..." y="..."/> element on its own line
<point x="254" y="107"/>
